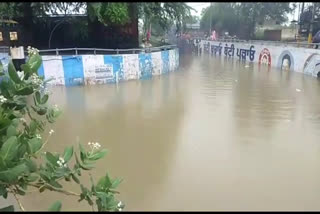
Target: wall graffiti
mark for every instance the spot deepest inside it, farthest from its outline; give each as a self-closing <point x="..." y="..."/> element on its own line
<point x="286" y="61"/>
<point x="242" y="53"/>
<point x="265" y="57"/>
<point x="283" y="57"/>
<point x="312" y="65"/>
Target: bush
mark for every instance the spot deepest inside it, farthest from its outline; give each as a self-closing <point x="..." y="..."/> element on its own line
<point x="23" y="163"/>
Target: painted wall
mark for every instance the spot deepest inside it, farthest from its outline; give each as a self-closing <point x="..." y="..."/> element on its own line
<point x="102" y="69"/>
<point x="304" y="60"/>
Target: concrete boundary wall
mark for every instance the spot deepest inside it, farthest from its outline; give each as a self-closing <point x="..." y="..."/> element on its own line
<point x="304" y="60"/>
<point x="102" y="69"/>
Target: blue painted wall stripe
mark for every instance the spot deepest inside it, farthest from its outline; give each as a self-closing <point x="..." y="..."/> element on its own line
<point x="41" y="70"/>
<point x="73" y="70"/>
<point x="165" y="61"/>
<point x="116" y="62"/>
<point x="145" y="65"/>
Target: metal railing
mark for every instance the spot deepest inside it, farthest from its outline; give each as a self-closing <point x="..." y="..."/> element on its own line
<point x="264" y="42"/>
<point x="94" y="51"/>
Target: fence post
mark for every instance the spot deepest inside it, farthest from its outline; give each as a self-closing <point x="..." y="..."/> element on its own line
<point x="94" y="51"/>
<point x="57" y="52"/>
<point x="117" y="51"/>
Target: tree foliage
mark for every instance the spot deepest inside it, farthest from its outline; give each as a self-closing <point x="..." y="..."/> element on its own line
<point x="109" y="12"/>
<point x="234" y="17"/>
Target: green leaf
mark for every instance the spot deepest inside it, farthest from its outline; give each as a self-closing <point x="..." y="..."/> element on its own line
<point x="25" y="91"/>
<point x="98" y="155"/>
<point x="2" y="164"/>
<point x="83" y="154"/>
<point x="13" y="73"/>
<point x="9" y="149"/>
<point x="55" y="184"/>
<point x="68" y="152"/>
<point x="104" y="183"/>
<point x="44" y="99"/>
<point x="56" y="206"/>
<point x="115" y="183"/>
<point x="26" y="68"/>
<point x="33" y="126"/>
<point x="45" y="176"/>
<point x="38" y="97"/>
<point x="10" y="175"/>
<point x="11" y="131"/>
<point x="15" y="122"/>
<point x="3" y="190"/>
<point x="75" y="178"/>
<point x="52" y="159"/>
<point x="32" y="166"/>
<point x="35" y="62"/>
<point x="34" y="145"/>
<point x="7" y="209"/>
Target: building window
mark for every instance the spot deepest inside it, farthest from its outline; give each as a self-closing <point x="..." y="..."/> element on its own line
<point x="13" y="36"/>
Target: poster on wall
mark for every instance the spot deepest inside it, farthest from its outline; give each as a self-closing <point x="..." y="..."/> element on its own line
<point x="104" y="72"/>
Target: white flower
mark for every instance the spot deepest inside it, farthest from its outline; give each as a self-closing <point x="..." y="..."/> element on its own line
<point x="61" y="162"/>
<point x="51" y="132"/>
<point x="38" y="136"/>
<point x="23" y="120"/>
<point x="35" y="79"/>
<point x="2" y="99"/>
<point x="120" y="209"/>
<point x="93" y="145"/>
<point x="32" y="51"/>
<point x="119" y="204"/>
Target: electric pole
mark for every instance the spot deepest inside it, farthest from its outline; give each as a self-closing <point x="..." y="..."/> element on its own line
<point x="312" y="23"/>
<point x="210" y="18"/>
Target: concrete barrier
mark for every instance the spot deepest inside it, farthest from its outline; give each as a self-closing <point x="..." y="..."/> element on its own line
<point x="102" y="69"/>
<point x="304" y="60"/>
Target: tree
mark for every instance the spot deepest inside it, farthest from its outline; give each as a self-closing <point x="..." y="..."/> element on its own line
<point x="237" y="17"/>
<point x="108" y="14"/>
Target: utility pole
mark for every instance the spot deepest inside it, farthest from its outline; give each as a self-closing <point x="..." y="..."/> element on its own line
<point x="210" y="18"/>
<point x="312" y="23"/>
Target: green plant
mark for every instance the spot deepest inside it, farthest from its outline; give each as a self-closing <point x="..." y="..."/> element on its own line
<point x="23" y="164"/>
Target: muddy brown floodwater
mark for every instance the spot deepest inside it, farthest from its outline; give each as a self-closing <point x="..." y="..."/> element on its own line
<point x="216" y="135"/>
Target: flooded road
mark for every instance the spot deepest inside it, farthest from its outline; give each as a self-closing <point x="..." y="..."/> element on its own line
<point x="216" y="135"/>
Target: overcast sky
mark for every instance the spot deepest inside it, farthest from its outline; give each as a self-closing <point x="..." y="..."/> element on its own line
<point x="198" y="6"/>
